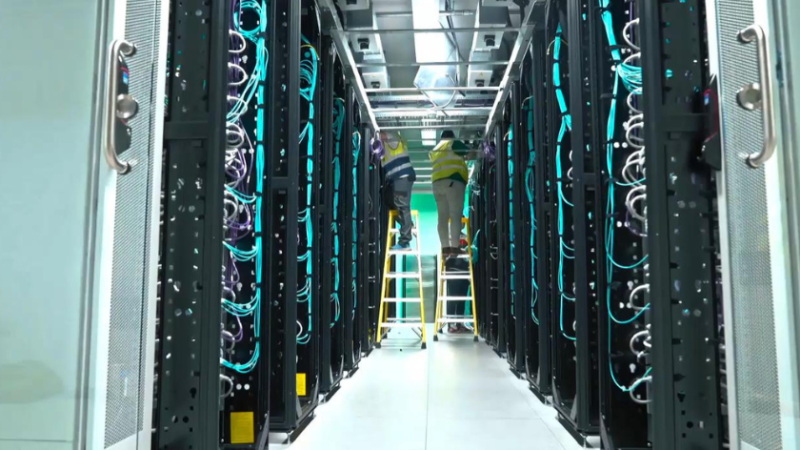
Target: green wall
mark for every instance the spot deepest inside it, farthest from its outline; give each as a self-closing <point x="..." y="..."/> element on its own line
<point x="425" y="203"/>
<point x="429" y="237"/>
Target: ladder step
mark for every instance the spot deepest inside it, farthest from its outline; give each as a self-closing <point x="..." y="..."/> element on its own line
<point x="403" y="275"/>
<point x="402" y="325"/>
<point x="455" y="298"/>
<point x="401" y="300"/>
<point x="446" y="320"/>
<point x="404" y="252"/>
<point x="450" y="276"/>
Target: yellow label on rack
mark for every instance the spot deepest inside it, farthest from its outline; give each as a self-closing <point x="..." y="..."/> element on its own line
<point x="242" y="428"/>
<point x="301" y="384"/>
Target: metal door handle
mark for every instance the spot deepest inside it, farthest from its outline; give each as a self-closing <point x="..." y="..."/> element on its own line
<point x="759" y="95"/>
<point x="119" y="47"/>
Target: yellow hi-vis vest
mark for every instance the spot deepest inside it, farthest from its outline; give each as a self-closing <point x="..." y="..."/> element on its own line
<point x="446" y="163"/>
<point x="396" y="161"/>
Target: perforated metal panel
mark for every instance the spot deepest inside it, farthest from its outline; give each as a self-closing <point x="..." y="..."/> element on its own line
<point x="756" y="374"/>
<point x="128" y="328"/>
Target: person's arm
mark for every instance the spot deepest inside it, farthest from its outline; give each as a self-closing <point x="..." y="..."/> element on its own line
<point x="461" y="149"/>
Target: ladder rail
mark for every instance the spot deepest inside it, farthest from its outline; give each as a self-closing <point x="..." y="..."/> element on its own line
<point x="442" y="296"/>
<point x="384" y="322"/>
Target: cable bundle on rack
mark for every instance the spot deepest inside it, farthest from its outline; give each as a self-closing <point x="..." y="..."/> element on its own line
<point x="566" y="126"/>
<point x="530" y="192"/>
<point x="356" y="152"/>
<point x="338" y="126"/>
<point x="308" y="83"/>
<point x="512" y="241"/>
<point x="243" y="188"/>
<point x="631" y="177"/>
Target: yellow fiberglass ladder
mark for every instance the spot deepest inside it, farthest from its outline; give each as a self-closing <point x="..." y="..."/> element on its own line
<point x="443" y="296"/>
<point x="384" y="321"/>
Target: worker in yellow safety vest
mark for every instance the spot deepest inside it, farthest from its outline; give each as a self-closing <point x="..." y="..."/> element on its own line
<point x="449" y="178"/>
<point x="400" y="177"/>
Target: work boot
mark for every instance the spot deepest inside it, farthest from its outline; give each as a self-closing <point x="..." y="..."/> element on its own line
<point x="403" y="247"/>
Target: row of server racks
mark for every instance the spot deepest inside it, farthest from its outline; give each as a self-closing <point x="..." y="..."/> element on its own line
<point x="596" y="230"/>
<point x="269" y="271"/>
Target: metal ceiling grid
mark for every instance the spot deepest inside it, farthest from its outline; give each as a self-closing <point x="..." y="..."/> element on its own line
<point x="408" y="109"/>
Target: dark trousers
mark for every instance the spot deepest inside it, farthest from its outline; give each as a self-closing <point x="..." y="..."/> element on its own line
<point x="458" y="288"/>
<point x="401" y="195"/>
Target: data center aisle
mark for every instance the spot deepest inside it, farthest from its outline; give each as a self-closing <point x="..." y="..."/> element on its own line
<point x="456" y="395"/>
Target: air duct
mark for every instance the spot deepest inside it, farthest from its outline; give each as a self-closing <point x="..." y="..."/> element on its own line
<point x="432" y="47"/>
<point x="366" y="46"/>
<point x="490" y="14"/>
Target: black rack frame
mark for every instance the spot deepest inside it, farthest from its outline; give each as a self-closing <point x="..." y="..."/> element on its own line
<point x="564" y="352"/>
<point x="624" y="423"/>
<point x="588" y="214"/>
<point x="497" y="276"/>
<point x="518" y="293"/>
<point x="478" y="219"/>
<point x="367" y="304"/>
<point x="352" y="315"/>
<point x="188" y="395"/>
<point x="685" y="391"/>
<point x="490" y="308"/>
<point x="501" y="238"/>
<point x="376" y="237"/>
<point x="290" y="411"/>
<point x="331" y="337"/>
<point x="538" y="341"/>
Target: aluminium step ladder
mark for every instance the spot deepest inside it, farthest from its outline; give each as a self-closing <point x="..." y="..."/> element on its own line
<point x="384" y="321"/>
<point x="442" y="294"/>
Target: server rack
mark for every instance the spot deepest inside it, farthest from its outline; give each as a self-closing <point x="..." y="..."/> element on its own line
<point x="680" y="190"/>
<point x="534" y="104"/>
<point x="291" y="187"/>
<point x="587" y="211"/>
<point x="367" y="226"/>
<point x="353" y="325"/>
<point x="502" y="235"/>
<point x="574" y="358"/>
<point x="623" y="416"/>
<point x="376" y="235"/>
<point x="187" y="361"/>
<point x="481" y="242"/>
<point x="564" y="373"/>
<point x="488" y="304"/>
<point x="515" y="161"/>
<point x="330" y="225"/>
<point x="246" y="319"/>
<point x="496" y="311"/>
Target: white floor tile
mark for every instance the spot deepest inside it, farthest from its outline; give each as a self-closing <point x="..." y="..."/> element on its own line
<point x="490" y="402"/>
<point x="456" y="394"/>
<point x="363" y="434"/>
<point x="460" y="434"/>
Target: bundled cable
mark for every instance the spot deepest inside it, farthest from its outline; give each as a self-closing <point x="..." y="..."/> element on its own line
<point x="631" y="176"/>
<point x="511" y="235"/>
<point x="309" y="64"/>
<point x="530" y="193"/>
<point x="566" y="126"/>
<point x="356" y="152"/>
<point x="243" y="188"/>
<point x="338" y="126"/>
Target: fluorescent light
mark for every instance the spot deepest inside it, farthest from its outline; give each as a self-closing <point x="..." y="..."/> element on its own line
<point x="428" y="137"/>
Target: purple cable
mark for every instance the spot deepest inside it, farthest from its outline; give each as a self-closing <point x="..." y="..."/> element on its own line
<point x="633" y="229"/>
<point x="376" y="145"/>
<point x="240" y="334"/>
<point x="488" y="150"/>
